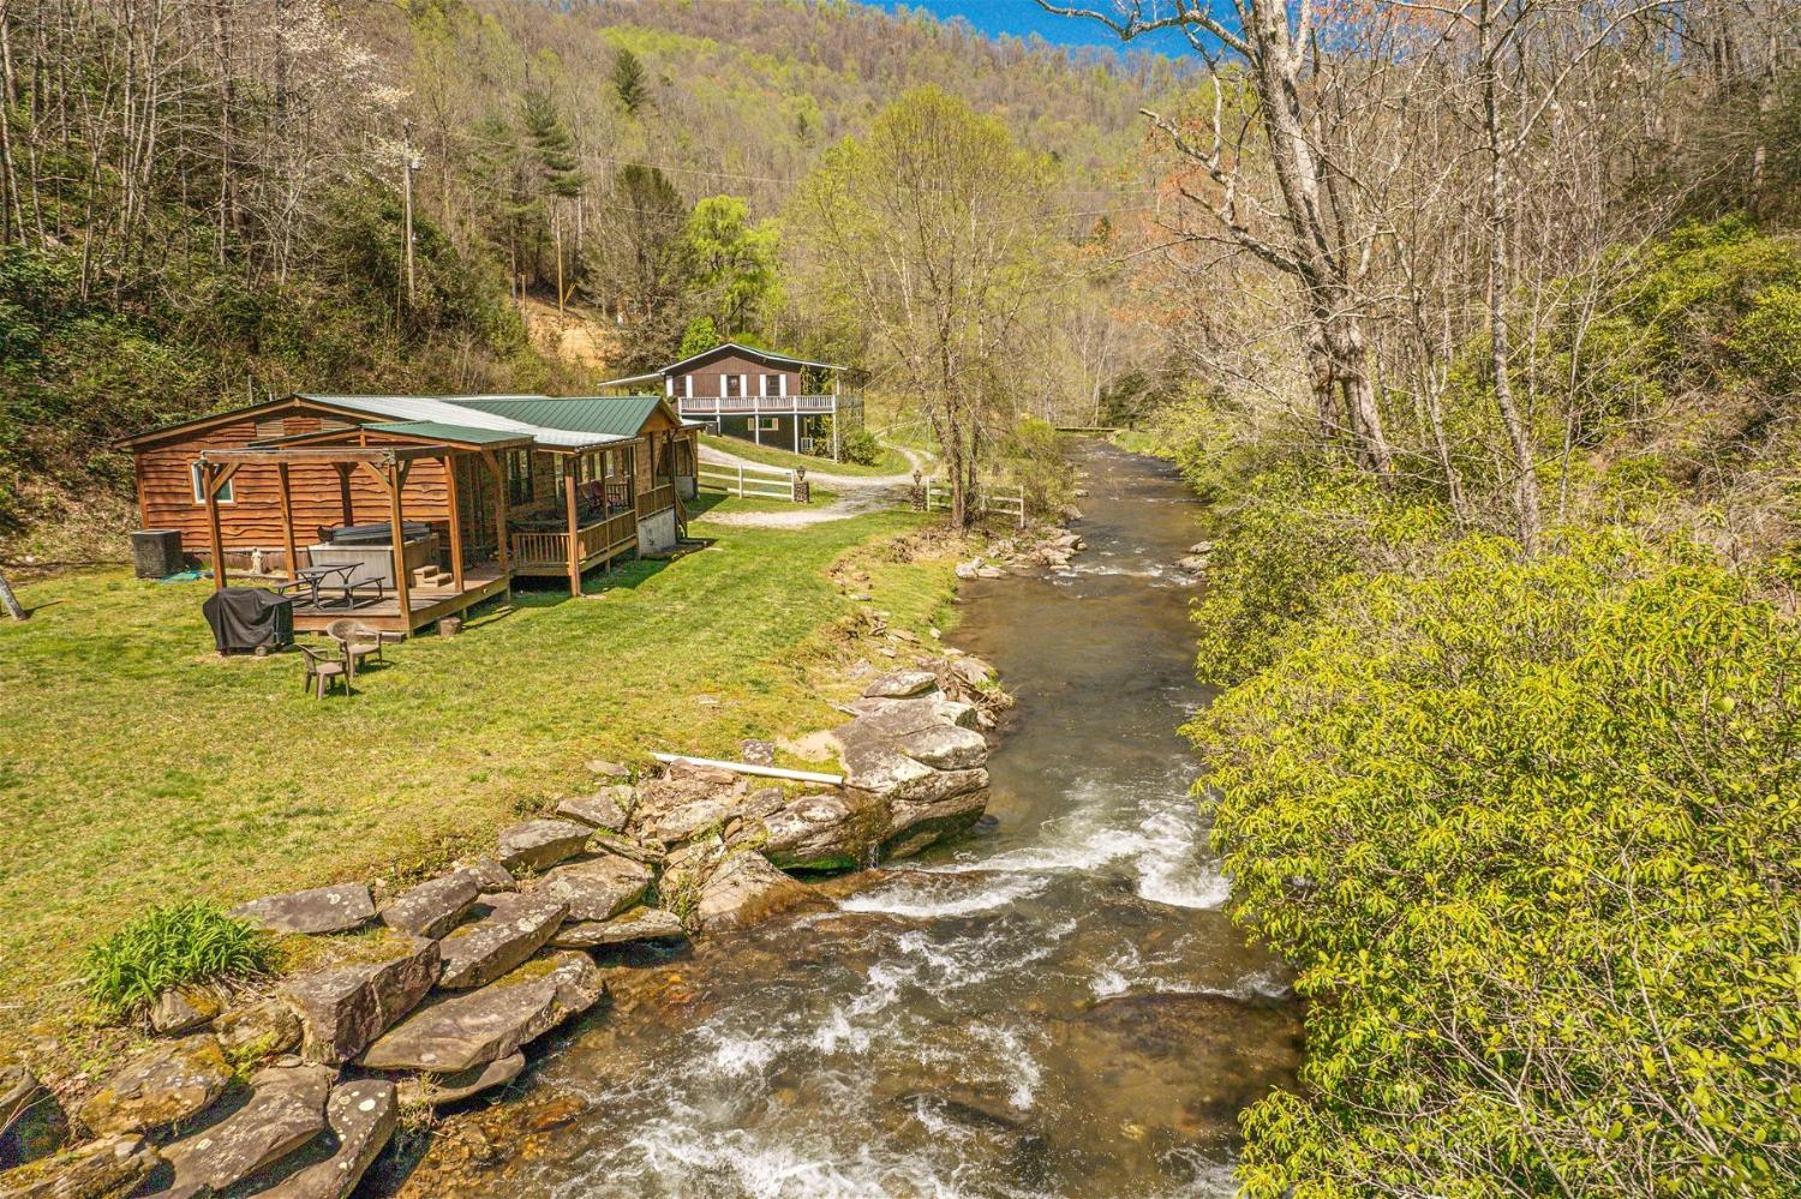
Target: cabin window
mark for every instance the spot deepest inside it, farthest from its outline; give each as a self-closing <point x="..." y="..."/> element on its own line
<point x="731" y="386"/>
<point x="226" y="495"/>
<point x="519" y="477"/>
<point x="768" y="424"/>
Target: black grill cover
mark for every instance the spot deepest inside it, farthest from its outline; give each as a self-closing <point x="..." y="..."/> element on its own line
<point x="248" y="618"/>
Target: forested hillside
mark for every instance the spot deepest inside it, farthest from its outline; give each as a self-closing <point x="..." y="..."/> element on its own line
<point x="1492" y="325"/>
<point x="207" y="202"/>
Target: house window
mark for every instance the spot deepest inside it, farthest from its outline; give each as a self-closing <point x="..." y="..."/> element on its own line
<point x="519" y="477"/>
<point x="731" y="386"/>
<point x="226" y="495"/>
<point x="768" y="424"/>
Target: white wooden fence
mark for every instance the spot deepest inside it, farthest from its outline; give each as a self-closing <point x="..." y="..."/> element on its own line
<point x="757" y="482"/>
<point x="1006" y="499"/>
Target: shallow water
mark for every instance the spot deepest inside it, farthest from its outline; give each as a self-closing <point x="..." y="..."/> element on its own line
<point x="1053" y="1005"/>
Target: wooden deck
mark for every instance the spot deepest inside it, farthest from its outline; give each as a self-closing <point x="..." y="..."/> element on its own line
<point x="548" y="553"/>
<point x="427" y="604"/>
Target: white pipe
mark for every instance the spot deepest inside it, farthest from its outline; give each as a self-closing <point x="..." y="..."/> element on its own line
<point x="771" y="772"/>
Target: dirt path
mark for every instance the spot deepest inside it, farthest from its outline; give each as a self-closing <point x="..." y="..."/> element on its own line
<point x="856" y="494"/>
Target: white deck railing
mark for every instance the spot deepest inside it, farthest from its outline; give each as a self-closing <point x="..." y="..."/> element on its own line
<point x="754" y="405"/>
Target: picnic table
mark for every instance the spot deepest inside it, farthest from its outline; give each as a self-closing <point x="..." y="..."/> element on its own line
<point x="316" y="580"/>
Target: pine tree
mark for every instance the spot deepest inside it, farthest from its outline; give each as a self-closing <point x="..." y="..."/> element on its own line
<point x="631" y="81"/>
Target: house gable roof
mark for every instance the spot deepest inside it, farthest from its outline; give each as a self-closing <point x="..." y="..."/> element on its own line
<point x="767" y="357"/>
<point x="613" y="416"/>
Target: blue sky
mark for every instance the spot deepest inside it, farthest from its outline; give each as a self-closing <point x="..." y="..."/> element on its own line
<point x="1023" y="17"/>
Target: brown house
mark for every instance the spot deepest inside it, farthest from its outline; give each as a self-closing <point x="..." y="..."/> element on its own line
<point x="482" y="488"/>
<point x="758" y="396"/>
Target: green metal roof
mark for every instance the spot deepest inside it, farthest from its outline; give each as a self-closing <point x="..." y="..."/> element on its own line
<point x="612" y="416"/>
<point x="439" y="431"/>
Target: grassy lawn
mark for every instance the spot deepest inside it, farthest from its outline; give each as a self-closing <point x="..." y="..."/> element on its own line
<point x="891" y="462"/>
<point x="136" y="767"/>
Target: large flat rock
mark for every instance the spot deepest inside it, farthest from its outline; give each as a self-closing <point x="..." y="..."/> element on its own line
<point x="109" y="1168"/>
<point x="597" y="888"/>
<point x="541" y="844"/>
<point x="458" y="1032"/>
<point x="32" y="1124"/>
<point x="285" y="1111"/>
<point x="638" y="924"/>
<point x="944" y="747"/>
<point x="438" y="1090"/>
<point x="901" y="684"/>
<point x="342" y="1010"/>
<point x="170" y="1082"/>
<point x="516" y="927"/>
<point x="434" y="907"/>
<point x="826" y="831"/>
<point x="746" y="889"/>
<point x="362" y="1115"/>
<point x="333" y="909"/>
<point x="606" y="808"/>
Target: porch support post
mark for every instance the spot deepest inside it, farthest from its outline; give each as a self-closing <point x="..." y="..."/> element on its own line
<point x="287" y="520"/>
<point x="837" y="431"/>
<point x="344" y="501"/>
<point x="796" y="418"/>
<point x="500" y="510"/>
<point x="575" y="549"/>
<point x="209" y="484"/>
<point x="397" y="534"/>
<point x="456" y="521"/>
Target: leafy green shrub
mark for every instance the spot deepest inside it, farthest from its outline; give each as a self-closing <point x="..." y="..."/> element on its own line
<point x="861" y="447"/>
<point x="1032" y="456"/>
<point x="1769" y="339"/>
<point x="170" y="946"/>
<point x="1290" y="537"/>
<point x="1528" y="831"/>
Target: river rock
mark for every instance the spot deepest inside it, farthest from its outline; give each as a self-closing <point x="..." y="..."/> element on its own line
<point x="285" y="1111"/>
<point x="32" y="1123"/>
<point x="901" y="684"/>
<point x="626" y="847"/>
<point x="460" y="1031"/>
<point x="638" y="924"/>
<point x="439" y="1090"/>
<point x="892" y="718"/>
<point x="686" y="821"/>
<point x="182" y="1009"/>
<point x="487" y="873"/>
<point x="342" y="1010"/>
<point x="167" y="1083"/>
<point x="515" y="928"/>
<point x="606" y="808"/>
<point x="944" y="747"/>
<point x="109" y="1168"/>
<point x="746" y="889"/>
<point x="540" y="844"/>
<point x="332" y="909"/>
<point x="432" y="908"/>
<point x="827" y="831"/>
<point x="258" y="1031"/>
<point x="608" y="770"/>
<point x="972" y="670"/>
<point x="362" y="1115"/>
<point x="1193" y="564"/>
<point x="597" y="888"/>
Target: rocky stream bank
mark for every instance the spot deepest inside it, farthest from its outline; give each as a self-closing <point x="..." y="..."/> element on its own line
<point x="416" y="999"/>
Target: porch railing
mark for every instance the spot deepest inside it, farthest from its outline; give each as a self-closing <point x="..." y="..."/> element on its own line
<point x="752" y="405"/>
<point x="552" y="549"/>
<point x="656" y="499"/>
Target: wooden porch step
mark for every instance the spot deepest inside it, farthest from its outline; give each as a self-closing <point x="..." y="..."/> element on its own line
<point x="431" y="578"/>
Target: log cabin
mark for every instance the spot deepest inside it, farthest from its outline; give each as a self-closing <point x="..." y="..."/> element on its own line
<point x="482" y="489"/>
<point x="757" y="396"/>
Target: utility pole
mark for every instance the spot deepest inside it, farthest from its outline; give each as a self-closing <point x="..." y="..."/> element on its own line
<point x="409" y="165"/>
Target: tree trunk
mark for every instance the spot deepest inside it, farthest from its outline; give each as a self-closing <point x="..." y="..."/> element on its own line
<point x="9" y="601"/>
<point x="1525" y="488"/>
